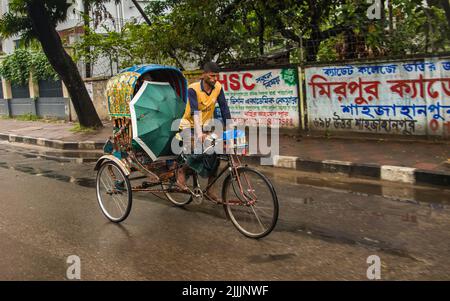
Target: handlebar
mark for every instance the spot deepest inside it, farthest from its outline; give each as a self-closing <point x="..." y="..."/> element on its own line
<point x="232" y="139"/>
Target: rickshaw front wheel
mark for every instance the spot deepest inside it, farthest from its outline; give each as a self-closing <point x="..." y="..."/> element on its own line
<point x="113" y="192"/>
<point x="250" y="202"/>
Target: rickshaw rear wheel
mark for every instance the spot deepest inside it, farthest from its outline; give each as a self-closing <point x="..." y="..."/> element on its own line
<point x="114" y="193"/>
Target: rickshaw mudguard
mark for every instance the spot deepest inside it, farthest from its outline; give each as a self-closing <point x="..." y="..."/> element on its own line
<point x="121" y="165"/>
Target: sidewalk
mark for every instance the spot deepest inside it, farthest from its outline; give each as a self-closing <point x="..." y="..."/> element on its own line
<point x="421" y="155"/>
<point x="404" y="161"/>
<point x="52" y="134"/>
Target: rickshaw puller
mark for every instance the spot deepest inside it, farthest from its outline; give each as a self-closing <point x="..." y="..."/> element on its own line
<point x="202" y="98"/>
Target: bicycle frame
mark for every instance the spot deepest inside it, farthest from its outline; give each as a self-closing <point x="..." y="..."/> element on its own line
<point x="233" y="164"/>
<point x="131" y="163"/>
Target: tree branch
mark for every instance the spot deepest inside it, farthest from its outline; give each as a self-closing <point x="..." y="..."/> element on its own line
<point x="230" y="9"/>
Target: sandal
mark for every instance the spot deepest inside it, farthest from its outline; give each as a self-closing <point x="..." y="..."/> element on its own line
<point x="182" y="187"/>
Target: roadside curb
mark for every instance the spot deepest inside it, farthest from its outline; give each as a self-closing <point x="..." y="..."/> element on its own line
<point x="362" y="170"/>
<point x="58" y="144"/>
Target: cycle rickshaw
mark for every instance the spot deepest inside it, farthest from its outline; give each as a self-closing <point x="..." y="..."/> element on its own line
<point x="143" y="102"/>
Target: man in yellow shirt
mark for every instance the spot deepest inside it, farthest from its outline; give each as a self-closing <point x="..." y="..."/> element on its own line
<point x="202" y="99"/>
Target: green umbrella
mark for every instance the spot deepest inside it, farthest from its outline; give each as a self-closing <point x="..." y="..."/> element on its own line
<point x="153" y="109"/>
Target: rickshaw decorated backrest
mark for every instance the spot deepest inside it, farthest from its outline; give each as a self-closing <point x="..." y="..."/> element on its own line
<point x="121" y="88"/>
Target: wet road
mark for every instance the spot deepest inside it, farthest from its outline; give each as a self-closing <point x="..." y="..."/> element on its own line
<point x="328" y="227"/>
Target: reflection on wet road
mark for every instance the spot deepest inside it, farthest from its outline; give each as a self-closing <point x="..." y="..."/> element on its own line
<point x="323" y="219"/>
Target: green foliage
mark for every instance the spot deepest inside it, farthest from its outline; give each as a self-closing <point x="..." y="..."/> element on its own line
<point x="195" y="31"/>
<point x="16" y="21"/>
<point x="230" y="31"/>
<point x="327" y="51"/>
<point x="17" y="66"/>
<point x="417" y="28"/>
<point x="28" y="117"/>
<point x="41" y="68"/>
<point x="133" y="45"/>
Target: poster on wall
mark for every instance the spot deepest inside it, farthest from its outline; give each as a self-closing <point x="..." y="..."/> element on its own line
<point x="405" y="98"/>
<point x="90" y="89"/>
<point x="262" y="96"/>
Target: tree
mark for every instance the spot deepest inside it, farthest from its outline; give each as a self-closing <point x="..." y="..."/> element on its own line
<point x="234" y="31"/>
<point x="37" y="19"/>
<point x="200" y="30"/>
<point x="339" y="29"/>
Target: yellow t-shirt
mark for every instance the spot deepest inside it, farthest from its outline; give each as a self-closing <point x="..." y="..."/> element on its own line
<point x="206" y="105"/>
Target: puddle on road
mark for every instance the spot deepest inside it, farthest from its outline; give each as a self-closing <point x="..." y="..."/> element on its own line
<point x="82" y="181"/>
<point x="53" y="155"/>
<point x="409" y="194"/>
<point x="434" y="197"/>
<point x="85" y="182"/>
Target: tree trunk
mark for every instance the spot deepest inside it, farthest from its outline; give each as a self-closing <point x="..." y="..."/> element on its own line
<point x="317" y="36"/>
<point x="261" y="34"/>
<point x="350" y="49"/>
<point x="443" y="4"/>
<point x="63" y="64"/>
<point x="261" y="29"/>
<point x="446" y="6"/>
<point x="313" y="43"/>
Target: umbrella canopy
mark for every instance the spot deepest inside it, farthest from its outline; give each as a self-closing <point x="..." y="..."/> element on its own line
<point x="153" y="110"/>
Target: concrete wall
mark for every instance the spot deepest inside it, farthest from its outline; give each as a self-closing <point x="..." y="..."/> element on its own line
<point x="263" y="95"/>
<point x="26" y="100"/>
<point x="22" y="106"/>
<point x="96" y="88"/>
<point x="406" y="97"/>
<point x="98" y="96"/>
<point x="51" y="107"/>
<point x="4" y="107"/>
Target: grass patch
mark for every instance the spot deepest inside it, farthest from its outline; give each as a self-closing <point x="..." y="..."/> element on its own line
<point x="53" y="120"/>
<point x="28" y="117"/>
<point x="82" y="129"/>
<point x="5" y="117"/>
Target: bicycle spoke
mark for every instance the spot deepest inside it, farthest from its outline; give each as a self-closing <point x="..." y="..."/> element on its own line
<point x="257" y="217"/>
<point x="260" y="210"/>
<point x="118" y="203"/>
<point x="114" y="195"/>
<point x="107" y="188"/>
